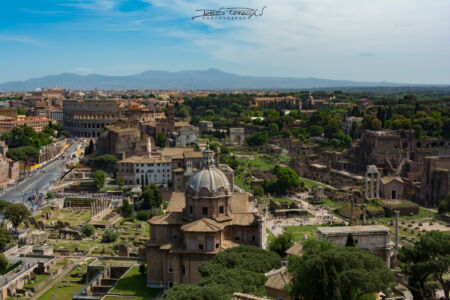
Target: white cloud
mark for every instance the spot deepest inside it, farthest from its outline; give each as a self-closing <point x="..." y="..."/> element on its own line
<point x="94" y="5"/>
<point x="83" y="70"/>
<point x="20" y="39"/>
<point x="325" y="37"/>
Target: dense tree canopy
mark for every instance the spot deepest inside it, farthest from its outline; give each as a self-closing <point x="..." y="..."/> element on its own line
<point x="281" y="243"/>
<point x="99" y="178"/>
<point x="151" y="197"/>
<point x="16" y="213"/>
<point x="427" y="260"/>
<point x="238" y="269"/>
<point x="328" y="272"/>
<point x="104" y="161"/>
<point x="5" y="238"/>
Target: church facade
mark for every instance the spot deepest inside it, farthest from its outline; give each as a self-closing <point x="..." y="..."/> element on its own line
<point x="207" y="219"/>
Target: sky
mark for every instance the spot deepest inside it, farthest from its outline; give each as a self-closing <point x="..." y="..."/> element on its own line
<point x="405" y="41"/>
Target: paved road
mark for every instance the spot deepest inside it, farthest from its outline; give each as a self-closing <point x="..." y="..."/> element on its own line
<point x="38" y="182"/>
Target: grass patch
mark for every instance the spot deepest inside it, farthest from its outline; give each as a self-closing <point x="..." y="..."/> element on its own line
<point x="300" y="231"/>
<point x="68" y="287"/>
<point x="308" y="182"/>
<point x="133" y="283"/>
<point x="39" y="279"/>
<point x="279" y="200"/>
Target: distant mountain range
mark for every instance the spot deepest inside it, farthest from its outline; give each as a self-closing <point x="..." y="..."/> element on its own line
<point x="211" y="79"/>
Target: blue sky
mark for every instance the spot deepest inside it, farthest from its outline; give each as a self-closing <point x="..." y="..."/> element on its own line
<point x="367" y="40"/>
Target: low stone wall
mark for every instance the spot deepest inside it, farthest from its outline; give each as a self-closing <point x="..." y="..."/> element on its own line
<point x="406" y="208"/>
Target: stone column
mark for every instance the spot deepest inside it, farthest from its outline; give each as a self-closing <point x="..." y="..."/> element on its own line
<point x="366" y="193"/>
<point x="378" y="185"/>
<point x="351" y="210"/>
<point x="372" y="186"/>
<point x="397" y="235"/>
<point x="364" y="216"/>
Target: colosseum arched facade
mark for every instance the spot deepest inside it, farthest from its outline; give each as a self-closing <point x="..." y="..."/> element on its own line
<point x="87" y="118"/>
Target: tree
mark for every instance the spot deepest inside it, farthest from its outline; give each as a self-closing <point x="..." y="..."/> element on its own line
<point x="109" y="236"/>
<point x="371" y="122"/>
<point x="248" y="258"/>
<point x="143" y="215"/>
<point x="315" y="130"/>
<point x="90" y="148"/>
<point x="3" y="204"/>
<point x="99" y="178"/>
<point x="3" y="263"/>
<point x="239" y="269"/>
<point x="338" y="273"/>
<point x="120" y="182"/>
<point x="287" y="179"/>
<point x="161" y="140"/>
<point x="350" y="241"/>
<point x="281" y="243"/>
<point x="444" y="206"/>
<point x="22" y="153"/>
<point x="21" y="111"/>
<point x="143" y="269"/>
<point x="428" y="259"/>
<point x="257" y="139"/>
<point x="5" y="238"/>
<point x="127" y="209"/>
<point x="16" y="213"/>
<point x="195" y="292"/>
<point x="151" y="197"/>
<point x="258" y="191"/>
<point x="105" y="160"/>
<point x="88" y="229"/>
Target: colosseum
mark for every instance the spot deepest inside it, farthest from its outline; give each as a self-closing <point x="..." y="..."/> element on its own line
<point x="87" y="118"/>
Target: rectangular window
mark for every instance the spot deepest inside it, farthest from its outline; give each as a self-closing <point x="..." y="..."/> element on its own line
<point x="221" y="209"/>
<point x="205" y="211"/>
<point x="183" y="270"/>
<point x="169" y="267"/>
<point x="190" y="209"/>
<point x="200" y="246"/>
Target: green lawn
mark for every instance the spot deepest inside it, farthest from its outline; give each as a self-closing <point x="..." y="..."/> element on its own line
<point x="39" y="279"/>
<point x="278" y="199"/>
<point x="308" y="182"/>
<point x="423" y="214"/>
<point x="68" y="287"/>
<point x="300" y="231"/>
<point x="133" y="283"/>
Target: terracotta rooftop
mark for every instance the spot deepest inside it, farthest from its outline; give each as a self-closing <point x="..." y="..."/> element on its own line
<point x="146" y="159"/>
<point x="296" y="249"/>
<point x="386" y="180"/>
<point x="277" y="279"/>
<point x="244" y="219"/>
<point x="168" y="218"/>
<point x="177" y="202"/>
<point x="176" y="151"/>
<point x="203" y="225"/>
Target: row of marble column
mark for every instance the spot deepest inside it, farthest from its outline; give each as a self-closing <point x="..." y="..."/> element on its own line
<point x="374" y="192"/>
<point x="99" y="206"/>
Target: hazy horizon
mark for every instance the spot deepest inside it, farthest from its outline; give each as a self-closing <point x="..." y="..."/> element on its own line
<point x="402" y="41"/>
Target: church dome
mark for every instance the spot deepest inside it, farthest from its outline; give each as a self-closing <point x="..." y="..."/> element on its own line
<point x="209" y="179"/>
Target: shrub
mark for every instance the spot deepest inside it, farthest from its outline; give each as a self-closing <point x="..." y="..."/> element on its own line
<point x="109" y="236"/>
<point x="3" y="263"/>
<point x="143" y="215"/>
<point x="143" y="269"/>
<point x="88" y="229"/>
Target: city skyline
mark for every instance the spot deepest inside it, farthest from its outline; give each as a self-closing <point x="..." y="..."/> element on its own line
<point x="405" y="41"/>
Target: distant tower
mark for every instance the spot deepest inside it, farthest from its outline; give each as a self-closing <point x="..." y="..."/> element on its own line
<point x="171" y="117"/>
